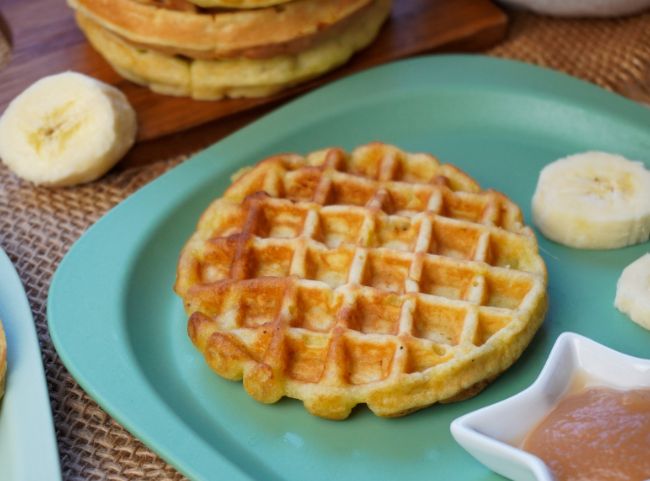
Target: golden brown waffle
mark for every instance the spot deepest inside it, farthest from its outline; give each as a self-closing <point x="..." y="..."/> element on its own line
<point x="234" y="77"/>
<point x="379" y="277"/>
<point x="174" y="28"/>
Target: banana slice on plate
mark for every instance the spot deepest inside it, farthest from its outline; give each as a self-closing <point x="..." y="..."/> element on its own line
<point x="66" y="129"/>
<point x="593" y="200"/>
<point x="633" y="291"/>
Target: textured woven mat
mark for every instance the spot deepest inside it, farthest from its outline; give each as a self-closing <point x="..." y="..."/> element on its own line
<point x="614" y="54"/>
<point x="38" y="226"/>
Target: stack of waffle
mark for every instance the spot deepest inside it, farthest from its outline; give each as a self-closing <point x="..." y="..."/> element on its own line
<point x="211" y="49"/>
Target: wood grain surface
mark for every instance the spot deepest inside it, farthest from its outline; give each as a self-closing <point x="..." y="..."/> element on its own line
<point x="45" y="39"/>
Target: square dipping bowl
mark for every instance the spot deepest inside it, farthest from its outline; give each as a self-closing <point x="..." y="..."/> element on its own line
<point x="492" y="434"/>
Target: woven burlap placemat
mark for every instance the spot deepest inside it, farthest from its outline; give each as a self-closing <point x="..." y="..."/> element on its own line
<point x="38" y="226"/>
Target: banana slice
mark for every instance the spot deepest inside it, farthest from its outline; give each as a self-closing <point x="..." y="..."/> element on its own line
<point x="633" y="291"/>
<point x="66" y="129"/>
<point x="593" y="200"/>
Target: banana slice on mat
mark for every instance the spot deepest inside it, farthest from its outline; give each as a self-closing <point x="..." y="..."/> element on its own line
<point x="593" y="200"/>
<point x="66" y="129"/>
<point x="633" y="291"/>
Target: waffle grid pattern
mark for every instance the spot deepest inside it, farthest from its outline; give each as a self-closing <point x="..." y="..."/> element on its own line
<point x="345" y="274"/>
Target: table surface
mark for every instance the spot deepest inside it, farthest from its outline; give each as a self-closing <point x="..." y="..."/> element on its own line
<point x="38" y="225"/>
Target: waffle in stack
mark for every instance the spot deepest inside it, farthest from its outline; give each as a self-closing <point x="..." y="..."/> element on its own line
<point x="376" y="277"/>
<point x="176" y="47"/>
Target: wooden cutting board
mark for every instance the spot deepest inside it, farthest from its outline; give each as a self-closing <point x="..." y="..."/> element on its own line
<point x="45" y="40"/>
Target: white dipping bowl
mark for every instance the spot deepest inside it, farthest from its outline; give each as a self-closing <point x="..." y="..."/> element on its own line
<point x="492" y="433"/>
<point x="582" y="8"/>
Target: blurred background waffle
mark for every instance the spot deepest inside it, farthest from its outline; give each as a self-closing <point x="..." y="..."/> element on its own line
<point x="176" y="48"/>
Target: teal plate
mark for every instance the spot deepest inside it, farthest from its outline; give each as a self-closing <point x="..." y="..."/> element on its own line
<point x="121" y="331"/>
<point x="27" y="443"/>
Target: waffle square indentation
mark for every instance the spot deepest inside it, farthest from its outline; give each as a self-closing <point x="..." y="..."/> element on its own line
<point x="368" y="361"/>
<point x="423" y="354"/>
<point x="409" y="197"/>
<point x="217" y="259"/>
<point x="490" y="321"/>
<point x="438" y="322"/>
<point x="330" y="266"/>
<point x="396" y="232"/>
<point x="376" y="312"/>
<point x="338" y="226"/>
<point x="368" y="165"/>
<point x="452" y="239"/>
<point x="315" y="309"/>
<point x="386" y="270"/>
<point x="507" y="250"/>
<point x="347" y="189"/>
<point x="260" y="302"/>
<point x="506" y="288"/>
<point x="280" y="220"/>
<point x="269" y="259"/>
<point x="463" y="206"/>
<point x="307" y="355"/>
<point x="444" y="279"/>
<point x="417" y="168"/>
<point x="300" y="185"/>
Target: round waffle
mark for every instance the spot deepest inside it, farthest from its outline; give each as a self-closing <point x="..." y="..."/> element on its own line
<point x="375" y="277"/>
<point x="236" y="77"/>
<point x="178" y="28"/>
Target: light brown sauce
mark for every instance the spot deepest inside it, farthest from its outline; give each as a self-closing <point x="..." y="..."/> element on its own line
<point x="596" y="434"/>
